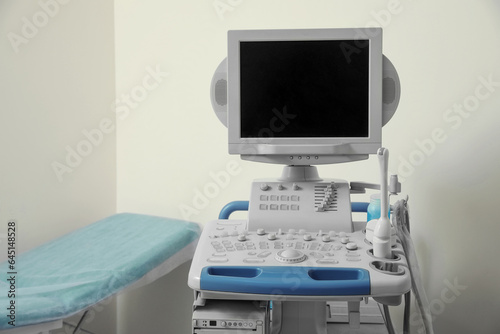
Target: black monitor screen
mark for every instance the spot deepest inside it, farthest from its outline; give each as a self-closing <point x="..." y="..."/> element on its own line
<point x="304" y="88"/>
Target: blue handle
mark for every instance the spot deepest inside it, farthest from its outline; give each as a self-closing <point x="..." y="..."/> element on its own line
<point x="231" y="207"/>
<point x="310" y="281"/>
<point x="359" y="206"/>
<point x="243" y="206"/>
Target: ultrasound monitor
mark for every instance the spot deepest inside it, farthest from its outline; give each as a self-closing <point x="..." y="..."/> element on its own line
<point x="304" y="97"/>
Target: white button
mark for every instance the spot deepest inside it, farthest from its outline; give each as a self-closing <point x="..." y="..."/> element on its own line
<point x="327" y="261"/>
<point x="332" y="234"/>
<point x="261" y="231"/>
<point x="295" y="186"/>
<point x="217" y="259"/>
<point x="326" y="238"/>
<point x="351" y="246"/>
<point x="307" y="237"/>
<point x="242" y="237"/>
<point x="316" y="255"/>
<point x="302" y="231"/>
<point x="264" y="187"/>
<point x="253" y="260"/>
<point x="271" y="236"/>
<point x="344" y="240"/>
<point x="289" y="236"/>
<point x="264" y="254"/>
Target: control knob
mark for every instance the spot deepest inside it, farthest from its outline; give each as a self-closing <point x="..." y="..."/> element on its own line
<point x="290" y="256"/>
<point x="351" y="246"/>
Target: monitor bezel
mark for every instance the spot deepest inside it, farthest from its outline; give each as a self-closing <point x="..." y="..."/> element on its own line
<point x="290" y="150"/>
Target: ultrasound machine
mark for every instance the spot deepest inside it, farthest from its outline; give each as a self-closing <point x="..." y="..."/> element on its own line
<point x="300" y="263"/>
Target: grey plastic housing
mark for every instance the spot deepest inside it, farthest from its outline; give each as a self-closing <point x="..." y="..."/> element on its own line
<point x="384" y="99"/>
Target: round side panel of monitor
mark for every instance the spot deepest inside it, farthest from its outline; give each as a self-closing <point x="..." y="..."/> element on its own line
<point x="391" y="90"/>
<point x="218" y="92"/>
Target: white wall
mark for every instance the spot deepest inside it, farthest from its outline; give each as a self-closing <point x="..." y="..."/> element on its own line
<point x="56" y="80"/>
<point x="170" y="142"/>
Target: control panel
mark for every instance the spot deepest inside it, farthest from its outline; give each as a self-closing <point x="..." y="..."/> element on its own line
<point x="300" y="205"/>
<point x="295" y="262"/>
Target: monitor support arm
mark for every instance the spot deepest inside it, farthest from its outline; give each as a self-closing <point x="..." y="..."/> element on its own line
<point x="360" y="187"/>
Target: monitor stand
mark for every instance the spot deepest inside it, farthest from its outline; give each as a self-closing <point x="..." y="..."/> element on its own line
<point x="300" y="174"/>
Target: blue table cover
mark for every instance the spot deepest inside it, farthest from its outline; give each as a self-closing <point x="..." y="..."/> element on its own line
<point x="84" y="267"/>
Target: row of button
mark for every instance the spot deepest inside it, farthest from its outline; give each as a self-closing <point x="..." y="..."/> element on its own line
<point x="266" y="187"/>
<point x="292" y="232"/>
<point x="283" y="198"/>
<point x="282" y="207"/>
<point x="236" y="324"/>
<point x="227" y="245"/>
<point x="326" y="238"/>
<point x="320" y="259"/>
